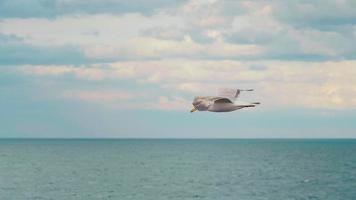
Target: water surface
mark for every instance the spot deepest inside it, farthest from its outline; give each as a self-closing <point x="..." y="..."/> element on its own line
<point x="178" y="169"/>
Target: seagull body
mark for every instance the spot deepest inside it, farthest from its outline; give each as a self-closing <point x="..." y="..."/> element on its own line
<point x="224" y="102"/>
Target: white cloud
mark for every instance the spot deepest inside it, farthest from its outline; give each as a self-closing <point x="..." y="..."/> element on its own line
<point x="117" y="37"/>
<point x="169" y="104"/>
<point x="198" y="29"/>
<point x="119" y="99"/>
<point x="193" y="48"/>
<point x="93" y="73"/>
<point x="83" y="30"/>
<point x="142" y="47"/>
<point x="280" y="83"/>
<point x="98" y="96"/>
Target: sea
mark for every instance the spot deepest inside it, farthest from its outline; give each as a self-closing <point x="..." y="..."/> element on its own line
<point x="178" y="169"/>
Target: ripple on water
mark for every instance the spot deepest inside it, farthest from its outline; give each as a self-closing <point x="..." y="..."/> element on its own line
<point x="180" y="169"/>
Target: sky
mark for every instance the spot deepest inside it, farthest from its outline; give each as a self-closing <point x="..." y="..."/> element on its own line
<point x="130" y="69"/>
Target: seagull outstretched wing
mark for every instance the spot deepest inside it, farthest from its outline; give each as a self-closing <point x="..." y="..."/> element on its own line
<point x="231" y="94"/>
<point x="222" y="100"/>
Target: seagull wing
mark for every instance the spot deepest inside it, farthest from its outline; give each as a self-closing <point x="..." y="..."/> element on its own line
<point x="231" y="94"/>
<point x="222" y="100"/>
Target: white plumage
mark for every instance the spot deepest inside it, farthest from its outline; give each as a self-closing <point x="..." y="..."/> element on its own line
<point x="224" y="102"/>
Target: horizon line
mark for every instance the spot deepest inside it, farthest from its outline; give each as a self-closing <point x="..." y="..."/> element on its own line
<point x="175" y="138"/>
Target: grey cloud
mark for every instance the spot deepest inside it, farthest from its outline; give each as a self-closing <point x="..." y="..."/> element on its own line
<point x="53" y="8"/>
<point x="14" y="52"/>
<point x="318" y="30"/>
<point x="167" y="32"/>
<point x="18" y="54"/>
<point x="5" y="39"/>
<point x="316" y="14"/>
<point x="258" y="67"/>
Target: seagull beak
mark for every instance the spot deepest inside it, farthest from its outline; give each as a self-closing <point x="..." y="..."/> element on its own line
<point x="193" y="109"/>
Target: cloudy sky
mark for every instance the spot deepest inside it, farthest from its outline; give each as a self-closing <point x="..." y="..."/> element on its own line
<point x="117" y="68"/>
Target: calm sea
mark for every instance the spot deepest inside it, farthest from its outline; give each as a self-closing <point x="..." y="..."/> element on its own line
<point x="178" y="169"/>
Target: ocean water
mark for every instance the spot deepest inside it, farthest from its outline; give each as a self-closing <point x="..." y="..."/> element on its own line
<point x="178" y="169"/>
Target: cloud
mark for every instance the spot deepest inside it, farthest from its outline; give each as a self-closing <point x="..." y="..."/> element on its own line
<point x="54" y="8"/>
<point x="104" y="29"/>
<point x="68" y="64"/>
<point x="120" y="40"/>
<point x="281" y="39"/>
<point x="151" y="48"/>
<point x="195" y="47"/>
<point x="105" y="96"/>
<point x="279" y="84"/>
<point x="83" y="73"/>
<point x="119" y="99"/>
<point x="169" y="104"/>
<point x="317" y="14"/>
<point x="14" y="51"/>
<point x="195" y="30"/>
<point x="192" y="87"/>
<point x="26" y="54"/>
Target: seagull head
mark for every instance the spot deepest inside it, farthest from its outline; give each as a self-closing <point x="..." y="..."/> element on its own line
<point x="201" y="104"/>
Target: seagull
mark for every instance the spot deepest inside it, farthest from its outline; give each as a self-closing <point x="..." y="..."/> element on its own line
<point x="224" y="102"/>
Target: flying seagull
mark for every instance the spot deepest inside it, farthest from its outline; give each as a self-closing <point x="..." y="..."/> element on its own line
<point x="224" y="102"/>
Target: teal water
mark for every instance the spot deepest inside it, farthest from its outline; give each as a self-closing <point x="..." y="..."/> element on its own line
<point x="178" y="169"/>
